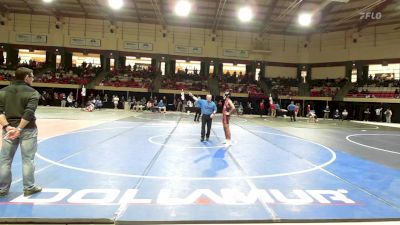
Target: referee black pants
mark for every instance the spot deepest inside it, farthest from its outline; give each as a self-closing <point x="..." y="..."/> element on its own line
<point x="205" y="119"/>
<point x="292" y="116"/>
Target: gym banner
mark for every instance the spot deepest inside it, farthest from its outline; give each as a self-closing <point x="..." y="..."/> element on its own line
<point x="236" y="53"/>
<point x="89" y="42"/>
<point x="31" y="38"/>
<point x="188" y="50"/>
<point x="138" y="46"/>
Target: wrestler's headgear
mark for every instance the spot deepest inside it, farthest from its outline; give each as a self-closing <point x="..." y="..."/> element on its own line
<point x="227" y="94"/>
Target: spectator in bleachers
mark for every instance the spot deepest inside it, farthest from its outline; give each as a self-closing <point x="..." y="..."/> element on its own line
<point x="70" y="100"/>
<point x="45" y="99"/>
<point x="56" y="99"/>
<point x="376" y="92"/>
<point x="2" y="60"/>
<point x="162" y="107"/>
<point x="219" y="106"/>
<point x="198" y="110"/>
<point x="336" y="115"/>
<point x="155" y="101"/>
<point x="344" y="114"/>
<point x="388" y="115"/>
<point x="327" y="87"/>
<point x="105" y="98"/>
<point x="6" y="75"/>
<point x="184" y="105"/>
<point x="381" y="86"/>
<point x="125" y="77"/>
<point x="189" y="104"/>
<point x="150" y="104"/>
<point x="239" y="83"/>
<point x="262" y="108"/>
<point x="240" y="109"/>
<point x="250" y="107"/>
<point x="115" y="100"/>
<point x="366" y="114"/>
<point x="283" y="86"/>
<point x="327" y="111"/>
<point x="184" y="81"/>
<point x="378" y="114"/>
<point x="63" y="99"/>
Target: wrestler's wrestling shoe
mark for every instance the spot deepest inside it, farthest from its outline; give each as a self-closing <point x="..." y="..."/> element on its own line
<point x="228" y="143"/>
<point x="32" y="191"/>
<point x="3" y="193"/>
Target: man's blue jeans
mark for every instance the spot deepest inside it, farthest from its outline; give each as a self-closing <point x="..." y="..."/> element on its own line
<point x="28" y="143"/>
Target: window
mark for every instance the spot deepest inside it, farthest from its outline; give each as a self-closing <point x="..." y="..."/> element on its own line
<point x="211" y="69"/>
<point x="230" y="68"/>
<point x="5" y="57"/>
<point x="258" y="71"/>
<point x="112" y="64"/>
<point x="192" y="67"/>
<point x="58" y="61"/>
<point x="354" y="75"/>
<point x="142" y="63"/>
<point x="389" y="72"/>
<point x="304" y="75"/>
<point x="163" y="68"/>
<point x="78" y="58"/>
<point x="26" y="55"/>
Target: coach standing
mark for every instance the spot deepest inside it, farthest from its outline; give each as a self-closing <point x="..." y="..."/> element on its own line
<point x="208" y="111"/>
<point x="18" y="103"/>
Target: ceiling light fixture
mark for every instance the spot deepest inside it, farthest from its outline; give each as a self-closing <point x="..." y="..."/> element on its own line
<point x="115" y="4"/>
<point x="305" y="19"/>
<point x="245" y="14"/>
<point x="182" y="8"/>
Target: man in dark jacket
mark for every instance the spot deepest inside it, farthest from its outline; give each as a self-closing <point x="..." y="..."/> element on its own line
<point x="18" y="103"/>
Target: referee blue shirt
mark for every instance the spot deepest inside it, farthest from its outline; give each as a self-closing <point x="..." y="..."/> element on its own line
<point x="207" y="108"/>
<point x="291" y="107"/>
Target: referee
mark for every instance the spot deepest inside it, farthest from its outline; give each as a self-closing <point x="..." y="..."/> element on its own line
<point x="208" y="111"/>
<point x="292" y="108"/>
<point x="18" y="103"/>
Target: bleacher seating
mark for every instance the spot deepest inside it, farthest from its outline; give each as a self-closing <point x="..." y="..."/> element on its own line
<point x="326" y="87"/>
<point x="374" y="92"/>
<point x="324" y="91"/>
<point x="126" y="77"/>
<point x="77" y="75"/>
<point x="252" y="89"/>
<point x="183" y="81"/>
<point x="6" y="75"/>
<point x="32" y="64"/>
<point x="283" y="86"/>
<point x="239" y="83"/>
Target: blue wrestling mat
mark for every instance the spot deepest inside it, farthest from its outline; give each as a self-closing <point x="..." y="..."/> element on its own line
<point x="158" y="171"/>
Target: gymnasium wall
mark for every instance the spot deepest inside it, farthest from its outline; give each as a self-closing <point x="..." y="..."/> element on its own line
<point x="183" y="41"/>
<point x="375" y="42"/>
<point x="332" y="72"/>
<point x="381" y="42"/>
<point x="280" y="71"/>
